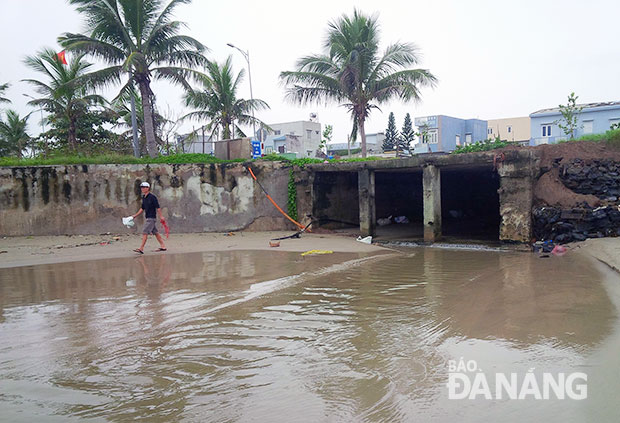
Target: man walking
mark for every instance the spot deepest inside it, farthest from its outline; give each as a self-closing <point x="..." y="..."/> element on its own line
<point x="151" y="209"/>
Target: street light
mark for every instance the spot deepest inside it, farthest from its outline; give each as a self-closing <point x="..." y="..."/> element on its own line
<point x="246" y="55"/>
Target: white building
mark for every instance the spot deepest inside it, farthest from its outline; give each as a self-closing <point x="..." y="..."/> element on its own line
<point x="308" y="133"/>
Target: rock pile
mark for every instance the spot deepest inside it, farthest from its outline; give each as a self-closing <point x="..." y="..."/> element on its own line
<point x="597" y="177"/>
<point x="576" y="224"/>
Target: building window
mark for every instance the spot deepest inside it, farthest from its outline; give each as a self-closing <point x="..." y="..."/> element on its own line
<point x="509" y="129"/>
<point x="467" y="139"/>
<point x="489" y="131"/>
<point x="277" y="132"/>
<point x="588" y="126"/>
<point x="430" y="137"/>
<point x="614" y="121"/>
<point x="546" y="130"/>
<point x="281" y="149"/>
<point x="458" y="140"/>
<point x="309" y="133"/>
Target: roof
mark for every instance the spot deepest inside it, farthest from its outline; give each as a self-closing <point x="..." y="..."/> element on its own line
<point x="556" y="110"/>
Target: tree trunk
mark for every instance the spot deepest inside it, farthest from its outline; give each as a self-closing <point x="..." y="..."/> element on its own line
<point x="72" y="137"/>
<point x="360" y="126"/>
<point x="147" y="108"/>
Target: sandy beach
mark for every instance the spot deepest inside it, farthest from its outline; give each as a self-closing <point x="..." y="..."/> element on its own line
<point x="24" y="251"/>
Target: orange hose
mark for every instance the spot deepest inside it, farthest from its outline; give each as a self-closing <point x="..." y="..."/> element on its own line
<point x="299" y="225"/>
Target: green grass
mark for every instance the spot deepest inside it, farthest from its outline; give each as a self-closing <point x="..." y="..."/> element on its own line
<point x="611" y="138"/>
<point x="172" y="159"/>
<point x="113" y="159"/>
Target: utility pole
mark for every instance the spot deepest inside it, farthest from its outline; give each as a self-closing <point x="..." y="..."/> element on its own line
<point x="246" y="55"/>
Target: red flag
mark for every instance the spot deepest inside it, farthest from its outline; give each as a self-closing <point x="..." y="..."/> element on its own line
<point x="61" y="57"/>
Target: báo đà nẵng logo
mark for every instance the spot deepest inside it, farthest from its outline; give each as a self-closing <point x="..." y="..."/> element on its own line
<point x="467" y="381"/>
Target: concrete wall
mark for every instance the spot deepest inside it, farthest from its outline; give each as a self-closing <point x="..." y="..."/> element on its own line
<point x="87" y="199"/>
<point x="239" y="148"/>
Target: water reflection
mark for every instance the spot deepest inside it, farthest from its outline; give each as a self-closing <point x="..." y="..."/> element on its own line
<point x="263" y="336"/>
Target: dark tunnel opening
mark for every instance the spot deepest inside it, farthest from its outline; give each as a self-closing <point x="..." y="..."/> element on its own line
<point x="398" y="195"/>
<point x="470" y="203"/>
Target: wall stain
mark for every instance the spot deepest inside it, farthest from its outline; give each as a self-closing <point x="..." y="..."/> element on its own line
<point x="25" y="194"/>
<point x="107" y="189"/>
<point x="45" y="185"/>
<point x="56" y="191"/>
<point x="66" y="191"/>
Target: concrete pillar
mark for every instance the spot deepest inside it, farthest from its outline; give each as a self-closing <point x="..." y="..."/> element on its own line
<point x="516" y="198"/>
<point x="368" y="211"/>
<point x="431" y="187"/>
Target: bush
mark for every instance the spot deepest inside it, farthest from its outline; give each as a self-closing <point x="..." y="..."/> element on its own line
<point x="486" y="145"/>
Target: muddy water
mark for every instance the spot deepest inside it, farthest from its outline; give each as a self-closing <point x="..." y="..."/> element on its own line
<point x="274" y="337"/>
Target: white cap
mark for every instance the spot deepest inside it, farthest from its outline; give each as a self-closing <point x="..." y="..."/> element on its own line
<point x="145" y="184"/>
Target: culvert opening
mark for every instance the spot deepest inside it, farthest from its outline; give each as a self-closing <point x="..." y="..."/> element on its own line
<point x="398" y="194"/>
<point x="470" y="203"/>
<point x="336" y="204"/>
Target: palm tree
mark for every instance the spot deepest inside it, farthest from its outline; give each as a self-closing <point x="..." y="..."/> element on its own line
<point x="3" y="88"/>
<point x="351" y="71"/>
<point x="64" y="94"/>
<point x="137" y="38"/>
<point x="217" y="102"/>
<point x="13" y="136"/>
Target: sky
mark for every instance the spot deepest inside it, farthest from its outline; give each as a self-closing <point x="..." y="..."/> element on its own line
<point x="493" y="59"/>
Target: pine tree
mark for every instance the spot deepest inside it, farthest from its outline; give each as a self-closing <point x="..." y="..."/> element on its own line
<point x="407" y="134"/>
<point x="391" y="134"/>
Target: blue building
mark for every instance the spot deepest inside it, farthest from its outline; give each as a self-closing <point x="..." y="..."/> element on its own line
<point x="595" y="118"/>
<point x="445" y="133"/>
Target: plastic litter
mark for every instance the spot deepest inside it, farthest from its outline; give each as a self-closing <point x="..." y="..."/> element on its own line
<point x="274" y="243"/>
<point x="314" y="252"/>
<point x="558" y="250"/>
<point x="401" y="219"/>
<point x="383" y="221"/>
<point x="128" y="221"/>
<point x="365" y="240"/>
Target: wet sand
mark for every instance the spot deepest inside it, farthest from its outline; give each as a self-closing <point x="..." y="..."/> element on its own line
<point x="25" y="251"/>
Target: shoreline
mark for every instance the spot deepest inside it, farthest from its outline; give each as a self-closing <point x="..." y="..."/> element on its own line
<point x="35" y="250"/>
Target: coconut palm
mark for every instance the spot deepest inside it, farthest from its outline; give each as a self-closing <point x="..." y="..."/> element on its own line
<point x="64" y="96"/>
<point x="351" y="71"/>
<point x="217" y="101"/>
<point x="138" y="39"/>
<point x="3" y="88"/>
<point x="13" y="136"/>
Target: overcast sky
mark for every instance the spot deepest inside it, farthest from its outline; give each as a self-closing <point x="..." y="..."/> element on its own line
<point x="493" y="59"/>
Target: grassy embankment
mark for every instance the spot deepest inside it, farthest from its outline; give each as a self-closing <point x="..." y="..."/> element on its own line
<point x="171" y="159"/>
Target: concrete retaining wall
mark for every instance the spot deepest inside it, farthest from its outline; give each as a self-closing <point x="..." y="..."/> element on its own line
<point x="87" y="199"/>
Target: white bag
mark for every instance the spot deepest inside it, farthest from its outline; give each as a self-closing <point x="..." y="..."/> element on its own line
<point x="128" y="221"/>
<point x="365" y="240"/>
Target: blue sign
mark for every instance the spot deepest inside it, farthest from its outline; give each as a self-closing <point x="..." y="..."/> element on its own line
<point x="256" y="150"/>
